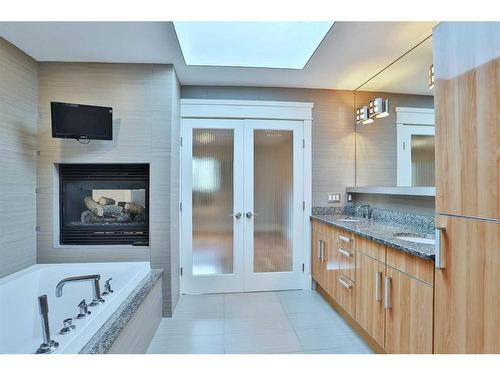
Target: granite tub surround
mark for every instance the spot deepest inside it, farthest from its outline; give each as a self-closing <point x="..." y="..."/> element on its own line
<point x="382" y="227"/>
<point x="104" y="339"/>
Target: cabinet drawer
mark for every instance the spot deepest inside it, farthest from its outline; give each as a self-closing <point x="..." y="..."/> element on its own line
<point x="371" y="248"/>
<point x="347" y="262"/>
<point x="419" y="268"/>
<point x="345" y="240"/>
<point x="346" y="294"/>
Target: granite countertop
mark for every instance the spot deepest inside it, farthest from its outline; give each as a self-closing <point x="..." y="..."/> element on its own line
<point x="104" y="338"/>
<point x="383" y="232"/>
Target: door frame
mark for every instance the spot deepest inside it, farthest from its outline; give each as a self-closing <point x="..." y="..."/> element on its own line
<point x="260" y="110"/>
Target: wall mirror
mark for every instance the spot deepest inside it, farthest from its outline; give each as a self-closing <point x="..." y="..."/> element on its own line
<point x="395" y="123"/>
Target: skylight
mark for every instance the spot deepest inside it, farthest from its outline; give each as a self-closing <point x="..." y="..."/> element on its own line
<point x="287" y="45"/>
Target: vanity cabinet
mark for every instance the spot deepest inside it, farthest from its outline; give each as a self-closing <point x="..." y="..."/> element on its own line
<point x="387" y="293"/>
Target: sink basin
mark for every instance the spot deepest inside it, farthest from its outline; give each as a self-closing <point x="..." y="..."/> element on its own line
<point x="349" y="220"/>
<point x="415" y="238"/>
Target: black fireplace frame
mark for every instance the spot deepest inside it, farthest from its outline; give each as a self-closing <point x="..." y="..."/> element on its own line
<point x="135" y="235"/>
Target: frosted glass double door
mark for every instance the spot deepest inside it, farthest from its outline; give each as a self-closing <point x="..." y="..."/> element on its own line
<point x="242" y="209"/>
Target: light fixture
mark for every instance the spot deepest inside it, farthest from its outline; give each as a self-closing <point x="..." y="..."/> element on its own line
<point x="431" y="77"/>
<point x="378" y="108"/>
<point x="362" y="116"/>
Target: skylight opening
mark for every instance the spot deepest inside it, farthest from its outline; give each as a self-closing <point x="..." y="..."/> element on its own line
<point x="285" y="45"/>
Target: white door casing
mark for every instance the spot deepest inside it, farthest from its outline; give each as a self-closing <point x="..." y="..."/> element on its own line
<point x="248" y="116"/>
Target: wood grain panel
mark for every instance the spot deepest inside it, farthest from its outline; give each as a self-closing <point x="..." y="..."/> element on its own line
<point x="467" y="100"/>
<point x="18" y="126"/>
<point x="346" y="294"/>
<point x="417" y="267"/>
<point x="370" y="312"/>
<point x="333" y="262"/>
<point x="371" y="248"/>
<point x="467" y="290"/>
<point x="408" y="322"/>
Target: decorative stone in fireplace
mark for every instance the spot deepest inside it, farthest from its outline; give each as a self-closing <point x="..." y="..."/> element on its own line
<point x="104" y="204"/>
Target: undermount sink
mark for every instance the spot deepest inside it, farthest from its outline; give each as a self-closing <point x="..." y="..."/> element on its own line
<point x="416" y="238"/>
<point x="349" y="220"/>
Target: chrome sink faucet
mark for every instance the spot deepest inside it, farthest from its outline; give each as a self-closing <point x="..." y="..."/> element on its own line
<point x="78" y="279"/>
<point x="367" y="211"/>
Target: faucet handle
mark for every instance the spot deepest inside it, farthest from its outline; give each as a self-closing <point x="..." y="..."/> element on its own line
<point x="107" y="287"/>
<point x="84" y="310"/>
<point x="68" y="326"/>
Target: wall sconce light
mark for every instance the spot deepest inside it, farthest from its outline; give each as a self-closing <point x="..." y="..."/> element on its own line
<point x="378" y="108"/>
<point x="362" y="116"/>
<point x="431" y="77"/>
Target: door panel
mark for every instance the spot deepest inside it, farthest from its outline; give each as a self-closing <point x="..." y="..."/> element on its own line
<point x="273" y="204"/>
<point x="242" y="193"/>
<point x="467" y="289"/>
<point x="212" y="193"/>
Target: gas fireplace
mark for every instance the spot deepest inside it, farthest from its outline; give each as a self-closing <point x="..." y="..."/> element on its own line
<point x="104" y="204"/>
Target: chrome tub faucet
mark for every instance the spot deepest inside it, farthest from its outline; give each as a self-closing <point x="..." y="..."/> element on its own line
<point x="78" y="279"/>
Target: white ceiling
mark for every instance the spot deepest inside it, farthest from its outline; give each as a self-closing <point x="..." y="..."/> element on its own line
<point x="350" y="54"/>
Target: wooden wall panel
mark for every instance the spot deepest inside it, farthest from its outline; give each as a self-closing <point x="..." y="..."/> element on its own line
<point x="18" y="124"/>
<point x="467" y="95"/>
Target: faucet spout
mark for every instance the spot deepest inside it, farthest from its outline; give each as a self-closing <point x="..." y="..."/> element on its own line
<point x="78" y="279"/>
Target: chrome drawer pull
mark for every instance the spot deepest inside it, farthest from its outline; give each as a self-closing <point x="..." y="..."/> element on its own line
<point x="323" y="243"/>
<point x="344" y="238"/>
<point x="438" y="262"/>
<point x="319" y="249"/>
<point x="344" y="252"/>
<point x="387" y="293"/>
<point x="377" y="286"/>
<point x="344" y="283"/>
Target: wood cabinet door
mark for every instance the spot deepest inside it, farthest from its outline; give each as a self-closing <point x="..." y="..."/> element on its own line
<point x="315" y="251"/>
<point x="370" y="312"/>
<point x="332" y="264"/>
<point x="467" y="289"/>
<point x="467" y="103"/>
<point x="408" y="304"/>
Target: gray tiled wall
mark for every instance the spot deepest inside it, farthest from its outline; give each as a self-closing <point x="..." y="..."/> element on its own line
<point x="18" y="114"/>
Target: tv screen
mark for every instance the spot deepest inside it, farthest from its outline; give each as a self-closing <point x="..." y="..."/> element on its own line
<point x="81" y="121"/>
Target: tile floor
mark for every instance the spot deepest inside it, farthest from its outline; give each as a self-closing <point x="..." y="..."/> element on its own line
<point x="250" y="323"/>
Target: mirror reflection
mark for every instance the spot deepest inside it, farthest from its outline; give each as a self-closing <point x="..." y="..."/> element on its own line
<point x="395" y="123"/>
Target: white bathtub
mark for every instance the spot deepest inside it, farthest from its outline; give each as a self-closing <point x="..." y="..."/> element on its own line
<point x="20" y="323"/>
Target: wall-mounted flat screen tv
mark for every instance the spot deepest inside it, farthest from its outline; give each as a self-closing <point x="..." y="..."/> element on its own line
<point x="81" y="121"/>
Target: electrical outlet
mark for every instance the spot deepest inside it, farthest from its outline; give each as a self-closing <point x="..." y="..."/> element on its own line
<point x="333" y="197"/>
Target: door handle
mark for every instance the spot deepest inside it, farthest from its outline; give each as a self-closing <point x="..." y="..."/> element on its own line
<point x="438" y="261"/>
<point x="319" y="248"/>
<point x="387" y="293"/>
<point x="323" y="243"/>
<point x="249" y="215"/>
<point x="237" y="215"/>
<point x="377" y="286"/>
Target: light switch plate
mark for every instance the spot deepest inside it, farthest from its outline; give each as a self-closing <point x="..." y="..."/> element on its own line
<point x="333" y="197"/>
